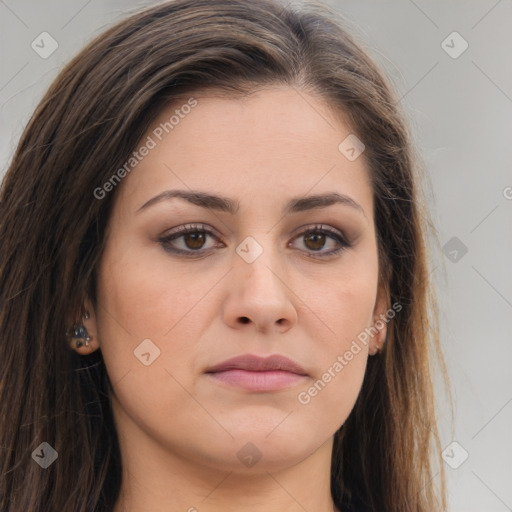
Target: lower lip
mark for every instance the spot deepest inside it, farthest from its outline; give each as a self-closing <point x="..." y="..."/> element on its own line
<point x="274" y="380"/>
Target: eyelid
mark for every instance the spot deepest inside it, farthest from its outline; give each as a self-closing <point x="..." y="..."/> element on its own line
<point x="185" y="228"/>
<point x="321" y="227"/>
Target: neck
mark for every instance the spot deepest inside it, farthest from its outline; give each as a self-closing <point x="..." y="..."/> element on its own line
<point x="161" y="480"/>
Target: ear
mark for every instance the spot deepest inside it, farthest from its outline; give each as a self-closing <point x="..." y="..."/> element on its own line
<point x="88" y="320"/>
<point x="380" y="320"/>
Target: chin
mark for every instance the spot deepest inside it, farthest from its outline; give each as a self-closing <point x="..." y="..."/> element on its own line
<point x="254" y="451"/>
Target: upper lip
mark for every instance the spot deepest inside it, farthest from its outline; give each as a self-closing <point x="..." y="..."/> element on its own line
<point x="255" y="363"/>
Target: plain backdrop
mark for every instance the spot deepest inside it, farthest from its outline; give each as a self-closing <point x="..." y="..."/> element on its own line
<point x="451" y="63"/>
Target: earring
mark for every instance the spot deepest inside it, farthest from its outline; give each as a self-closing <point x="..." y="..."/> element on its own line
<point x="79" y="334"/>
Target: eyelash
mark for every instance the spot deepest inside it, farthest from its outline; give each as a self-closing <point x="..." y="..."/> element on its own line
<point x="200" y="228"/>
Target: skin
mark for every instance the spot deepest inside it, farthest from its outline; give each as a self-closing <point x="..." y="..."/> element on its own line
<point x="180" y="430"/>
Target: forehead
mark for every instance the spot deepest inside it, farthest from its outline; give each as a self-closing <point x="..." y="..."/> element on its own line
<point x="274" y="142"/>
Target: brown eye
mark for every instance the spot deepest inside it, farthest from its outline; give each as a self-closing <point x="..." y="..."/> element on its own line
<point x="314" y="241"/>
<point x="190" y="240"/>
<point x="194" y="240"/>
<point x="321" y="241"/>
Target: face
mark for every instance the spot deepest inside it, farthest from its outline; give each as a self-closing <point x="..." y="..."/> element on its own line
<point x="188" y="281"/>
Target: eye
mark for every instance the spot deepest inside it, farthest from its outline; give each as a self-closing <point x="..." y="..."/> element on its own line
<point x="318" y="237"/>
<point x="189" y="239"/>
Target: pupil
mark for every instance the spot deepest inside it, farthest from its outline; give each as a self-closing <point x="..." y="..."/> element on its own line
<point x="318" y="240"/>
<point x="194" y="240"/>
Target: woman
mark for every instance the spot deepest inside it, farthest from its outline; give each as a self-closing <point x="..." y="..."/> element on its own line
<point x="213" y="276"/>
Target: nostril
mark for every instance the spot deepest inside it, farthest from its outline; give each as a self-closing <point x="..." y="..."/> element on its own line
<point x="244" y="320"/>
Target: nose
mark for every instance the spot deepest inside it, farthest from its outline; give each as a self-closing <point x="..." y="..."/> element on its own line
<point x="259" y="296"/>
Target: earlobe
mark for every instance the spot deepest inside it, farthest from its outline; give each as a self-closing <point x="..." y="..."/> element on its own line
<point x="378" y="340"/>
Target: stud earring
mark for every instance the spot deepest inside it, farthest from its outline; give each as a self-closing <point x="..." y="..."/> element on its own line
<point x="79" y="334"/>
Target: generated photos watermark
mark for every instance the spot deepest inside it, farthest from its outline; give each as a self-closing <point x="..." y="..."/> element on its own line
<point x="304" y="397"/>
<point x="150" y="143"/>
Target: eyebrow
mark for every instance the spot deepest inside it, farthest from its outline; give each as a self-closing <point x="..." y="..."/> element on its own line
<point x="224" y="204"/>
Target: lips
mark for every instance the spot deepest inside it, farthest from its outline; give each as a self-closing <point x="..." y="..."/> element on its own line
<point x="253" y="363"/>
<point x="257" y="374"/>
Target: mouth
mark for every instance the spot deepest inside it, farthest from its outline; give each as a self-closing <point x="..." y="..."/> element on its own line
<point x="257" y="374"/>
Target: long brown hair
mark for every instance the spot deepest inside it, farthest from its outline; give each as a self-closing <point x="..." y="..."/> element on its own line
<point x="52" y="231"/>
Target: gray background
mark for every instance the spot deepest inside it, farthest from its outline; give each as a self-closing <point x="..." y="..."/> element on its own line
<point x="460" y="111"/>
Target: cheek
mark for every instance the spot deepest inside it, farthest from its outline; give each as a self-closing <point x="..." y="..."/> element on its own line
<point x="343" y="300"/>
<point x="140" y="302"/>
<point x="157" y="302"/>
<point x="147" y="294"/>
<point x="342" y="356"/>
<point x="343" y="308"/>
